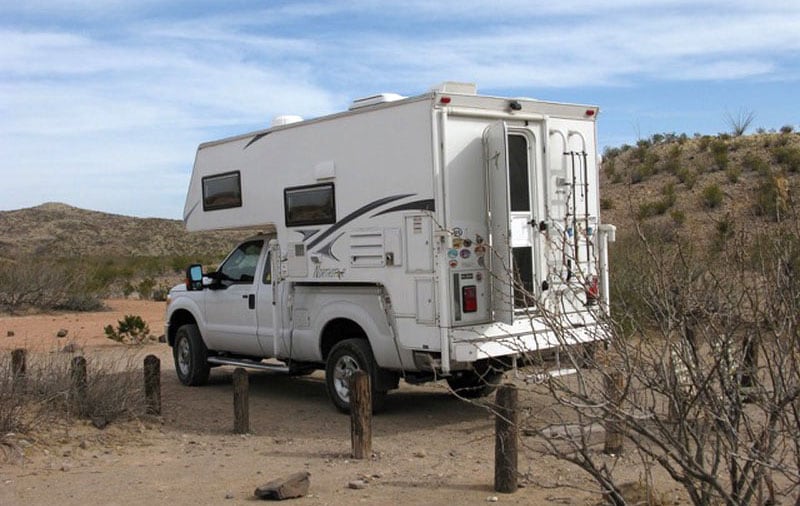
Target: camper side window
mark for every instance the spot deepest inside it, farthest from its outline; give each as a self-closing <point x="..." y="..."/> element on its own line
<point x="309" y="205"/>
<point x="222" y="191"/>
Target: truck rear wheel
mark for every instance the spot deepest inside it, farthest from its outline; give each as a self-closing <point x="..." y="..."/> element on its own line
<point x="191" y="356"/>
<point x="344" y="359"/>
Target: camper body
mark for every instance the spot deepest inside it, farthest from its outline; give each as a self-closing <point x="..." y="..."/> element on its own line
<point x="442" y="235"/>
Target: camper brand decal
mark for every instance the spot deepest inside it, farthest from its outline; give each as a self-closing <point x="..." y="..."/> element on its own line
<point x="332" y="272"/>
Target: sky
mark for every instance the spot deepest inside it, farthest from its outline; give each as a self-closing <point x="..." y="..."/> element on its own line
<point x="103" y="102"/>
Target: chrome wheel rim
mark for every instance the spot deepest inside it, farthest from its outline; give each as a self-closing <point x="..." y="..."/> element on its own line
<point x="183" y="355"/>
<point x="344" y="368"/>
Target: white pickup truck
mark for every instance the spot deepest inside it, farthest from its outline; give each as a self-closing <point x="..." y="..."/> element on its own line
<point x="437" y="236"/>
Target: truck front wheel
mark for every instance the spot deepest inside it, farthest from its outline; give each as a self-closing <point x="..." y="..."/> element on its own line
<point x="191" y="356"/>
<point x="344" y="359"/>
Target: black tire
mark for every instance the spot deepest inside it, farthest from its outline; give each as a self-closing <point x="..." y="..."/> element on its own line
<point x="472" y="385"/>
<point x="345" y="357"/>
<point x="191" y="356"/>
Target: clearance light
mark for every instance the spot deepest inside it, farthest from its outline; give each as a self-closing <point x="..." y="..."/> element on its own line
<point x="592" y="291"/>
<point x="469" y="299"/>
<point x="445" y="100"/>
<point x="590" y="112"/>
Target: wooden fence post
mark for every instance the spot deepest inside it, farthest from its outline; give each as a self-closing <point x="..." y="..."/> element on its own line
<point x="361" y="415"/>
<point x="78" y="384"/>
<point x="18" y="367"/>
<point x="615" y="385"/>
<point x="152" y="384"/>
<point x="506" y="430"/>
<point x="241" y="401"/>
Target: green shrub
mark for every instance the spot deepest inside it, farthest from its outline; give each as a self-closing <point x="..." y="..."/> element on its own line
<point x="132" y="329"/>
<point x="719" y="151"/>
<point x="145" y="288"/>
<point x="787" y="129"/>
<point x="733" y="173"/>
<point x="788" y="156"/>
<point x="678" y="216"/>
<point x="704" y="142"/>
<point x="724" y="230"/>
<point x="687" y="176"/>
<point x="755" y="163"/>
<point x="673" y="162"/>
<point x="712" y="196"/>
<point x="772" y="197"/>
<point x="606" y="203"/>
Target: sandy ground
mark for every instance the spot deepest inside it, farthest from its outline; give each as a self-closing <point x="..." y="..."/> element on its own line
<point x="429" y="447"/>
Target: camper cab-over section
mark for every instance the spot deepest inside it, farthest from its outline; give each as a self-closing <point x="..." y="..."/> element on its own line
<point x="442" y="235"/>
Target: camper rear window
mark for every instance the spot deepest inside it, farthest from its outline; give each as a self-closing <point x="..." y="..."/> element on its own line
<point x="309" y="205"/>
<point x="222" y="191"/>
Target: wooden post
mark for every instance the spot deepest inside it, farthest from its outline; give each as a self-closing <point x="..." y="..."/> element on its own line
<point x="152" y="384"/>
<point x="241" y="401"/>
<point x="361" y="415"/>
<point x="18" y="367"/>
<point x="78" y="384"/>
<point x="615" y="385"/>
<point x="506" y="432"/>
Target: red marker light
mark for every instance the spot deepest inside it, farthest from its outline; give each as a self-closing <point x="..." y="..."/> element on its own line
<point x="590" y="112"/>
<point x="445" y="100"/>
<point x="469" y="299"/>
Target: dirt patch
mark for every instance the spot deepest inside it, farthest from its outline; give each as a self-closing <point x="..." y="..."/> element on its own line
<point x="429" y="447"/>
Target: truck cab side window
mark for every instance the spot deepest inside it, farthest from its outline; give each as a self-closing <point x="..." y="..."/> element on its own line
<point x="240" y="267"/>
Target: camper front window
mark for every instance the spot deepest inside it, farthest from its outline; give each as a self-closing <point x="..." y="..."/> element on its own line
<point x="222" y="191"/>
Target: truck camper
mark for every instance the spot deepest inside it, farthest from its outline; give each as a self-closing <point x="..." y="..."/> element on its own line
<point x="440" y="236"/>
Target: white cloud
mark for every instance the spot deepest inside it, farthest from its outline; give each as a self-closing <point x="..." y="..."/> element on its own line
<point x="122" y="103"/>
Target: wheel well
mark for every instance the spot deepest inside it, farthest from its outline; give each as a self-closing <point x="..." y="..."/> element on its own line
<point x="337" y="330"/>
<point x="179" y="317"/>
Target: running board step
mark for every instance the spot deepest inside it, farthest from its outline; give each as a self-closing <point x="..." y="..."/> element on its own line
<point x="249" y="364"/>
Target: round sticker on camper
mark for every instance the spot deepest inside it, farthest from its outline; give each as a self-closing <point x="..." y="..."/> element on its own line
<point x="465" y="253"/>
<point x="453" y="264"/>
<point x="452" y="253"/>
<point x="480" y="250"/>
<point x="467" y="243"/>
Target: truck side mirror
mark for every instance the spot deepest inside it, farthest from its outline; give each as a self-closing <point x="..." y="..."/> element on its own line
<point x="194" y="277"/>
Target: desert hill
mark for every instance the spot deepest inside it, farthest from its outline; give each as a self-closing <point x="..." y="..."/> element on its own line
<point x="60" y="230"/>
<point x="701" y="187"/>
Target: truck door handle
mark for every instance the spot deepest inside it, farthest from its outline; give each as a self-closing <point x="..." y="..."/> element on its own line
<point x="251" y="300"/>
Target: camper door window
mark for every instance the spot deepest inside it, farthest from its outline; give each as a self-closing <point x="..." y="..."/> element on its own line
<point x="222" y="191"/>
<point x="309" y="205"/>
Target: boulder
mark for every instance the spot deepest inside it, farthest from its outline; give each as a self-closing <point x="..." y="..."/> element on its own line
<point x="295" y="485"/>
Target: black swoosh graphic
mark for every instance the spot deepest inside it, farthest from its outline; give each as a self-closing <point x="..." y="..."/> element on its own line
<point x="355" y="214"/>
<point x="417" y="205"/>
<point x="256" y="138"/>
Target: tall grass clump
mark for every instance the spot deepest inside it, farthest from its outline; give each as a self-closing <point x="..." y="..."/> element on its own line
<point x="114" y="392"/>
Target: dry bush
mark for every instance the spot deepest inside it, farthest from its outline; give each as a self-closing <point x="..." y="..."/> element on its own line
<point x="708" y="372"/>
<point x="44" y="285"/>
<point x="114" y="391"/>
<point x="699" y="375"/>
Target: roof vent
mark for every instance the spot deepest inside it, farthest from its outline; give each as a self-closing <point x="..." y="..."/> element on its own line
<point x="381" y="98"/>
<point x="455" y="87"/>
<point x="286" y="119"/>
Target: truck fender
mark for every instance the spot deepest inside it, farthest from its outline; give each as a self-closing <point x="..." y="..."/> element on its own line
<point x="368" y="315"/>
<point x="182" y="311"/>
